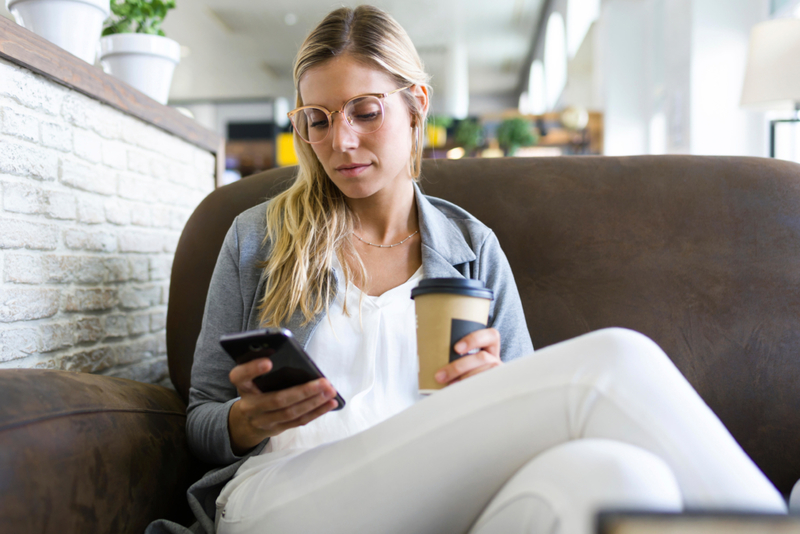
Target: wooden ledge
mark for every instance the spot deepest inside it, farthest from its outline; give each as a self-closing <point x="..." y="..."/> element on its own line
<point x="39" y="55"/>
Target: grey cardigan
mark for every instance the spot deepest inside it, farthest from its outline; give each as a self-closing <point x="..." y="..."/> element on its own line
<point x="454" y="244"/>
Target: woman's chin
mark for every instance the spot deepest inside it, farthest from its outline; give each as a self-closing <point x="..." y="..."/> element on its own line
<point x="366" y="184"/>
<point x="356" y="187"/>
<point x="358" y="193"/>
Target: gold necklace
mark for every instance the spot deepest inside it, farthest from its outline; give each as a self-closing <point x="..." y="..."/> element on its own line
<point x="386" y="246"/>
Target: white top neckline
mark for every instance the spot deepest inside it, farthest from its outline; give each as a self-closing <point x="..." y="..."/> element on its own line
<point x="389" y="294"/>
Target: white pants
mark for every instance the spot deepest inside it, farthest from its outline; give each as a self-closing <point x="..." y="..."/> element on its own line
<point x="498" y="453"/>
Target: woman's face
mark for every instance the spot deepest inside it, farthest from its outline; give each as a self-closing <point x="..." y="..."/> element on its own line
<point x="361" y="165"/>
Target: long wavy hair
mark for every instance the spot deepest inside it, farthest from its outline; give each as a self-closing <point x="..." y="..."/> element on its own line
<point x="309" y="223"/>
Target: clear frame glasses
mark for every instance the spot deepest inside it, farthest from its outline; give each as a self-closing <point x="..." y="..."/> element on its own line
<point x="364" y="114"/>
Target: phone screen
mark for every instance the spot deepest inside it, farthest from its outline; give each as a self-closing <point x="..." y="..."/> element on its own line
<point x="288" y="369"/>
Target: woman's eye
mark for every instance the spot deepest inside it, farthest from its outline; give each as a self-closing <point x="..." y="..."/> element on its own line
<point x="367" y="117"/>
<point x="318" y="124"/>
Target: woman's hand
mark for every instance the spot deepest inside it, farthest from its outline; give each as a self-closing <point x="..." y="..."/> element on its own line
<point x="257" y="415"/>
<point x="486" y="342"/>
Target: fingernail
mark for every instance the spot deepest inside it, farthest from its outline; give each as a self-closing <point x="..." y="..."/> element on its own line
<point x="263" y="367"/>
<point x="440" y="376"/>
<point x="460" y="347"/>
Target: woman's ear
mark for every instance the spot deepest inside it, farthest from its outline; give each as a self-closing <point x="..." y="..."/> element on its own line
<point x="420" y="92"/>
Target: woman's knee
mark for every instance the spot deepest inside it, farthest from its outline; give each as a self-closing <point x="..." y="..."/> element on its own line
<point x="570" y="483"/>
<point x="794" y="499"/>
<point x="599" y="470"/>
<point x="621" y="348"/>
<point x="615" y="355"/>
<point x="618" y="340"/>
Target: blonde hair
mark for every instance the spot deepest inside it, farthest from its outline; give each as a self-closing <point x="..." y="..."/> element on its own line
<point x="309" y="223"/>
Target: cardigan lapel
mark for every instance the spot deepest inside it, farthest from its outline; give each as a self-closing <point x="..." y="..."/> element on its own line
<point x="443" y="244"/>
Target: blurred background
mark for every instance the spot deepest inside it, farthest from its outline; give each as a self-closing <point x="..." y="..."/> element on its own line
<point x="520" y="78"/>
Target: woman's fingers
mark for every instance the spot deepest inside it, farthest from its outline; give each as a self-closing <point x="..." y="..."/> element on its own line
<point x="322" y="409"/>
<point x="275" y="422"/>
<point x="485" y="346"/>
<point x="475" y="371"/>
<point x="295" y="404"/>
<point x="466" y="366"/>
<point x="257" y="416"/>
<point x="286" y="398"/>
<point x="242" y="375"/>
<point x="487" y="339"/>
<point x="270" y="411"/>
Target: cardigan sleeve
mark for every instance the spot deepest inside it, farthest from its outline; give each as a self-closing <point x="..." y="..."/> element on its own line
<point x="506" y="314"/>
<point x="211" y="394"/>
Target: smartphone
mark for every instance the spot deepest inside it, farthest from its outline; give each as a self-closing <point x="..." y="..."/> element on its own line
<point x="291" y="365"/>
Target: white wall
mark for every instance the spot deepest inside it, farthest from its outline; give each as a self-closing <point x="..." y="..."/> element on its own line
<point x="720" y="34"/>
<point x="674" y="97"/>
<point x="620" y="35"/>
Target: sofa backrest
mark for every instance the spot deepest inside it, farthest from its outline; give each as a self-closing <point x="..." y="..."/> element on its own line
<point x="702" y="254"/>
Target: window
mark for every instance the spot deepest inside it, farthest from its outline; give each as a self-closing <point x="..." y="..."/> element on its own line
<point x="580" y="16"/>
<point x="536" y="89"/>
<point x="555" y="59"/>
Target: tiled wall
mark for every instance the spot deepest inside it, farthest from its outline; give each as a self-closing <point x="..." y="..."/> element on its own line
<point x="93" y="203"/>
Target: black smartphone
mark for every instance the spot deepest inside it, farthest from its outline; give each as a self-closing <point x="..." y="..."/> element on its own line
<point x="291" y="365"/>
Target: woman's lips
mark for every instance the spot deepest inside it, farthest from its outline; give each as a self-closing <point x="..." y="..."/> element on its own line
<point x="352" y="169"/>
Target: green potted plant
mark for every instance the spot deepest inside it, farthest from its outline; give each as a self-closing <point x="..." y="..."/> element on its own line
<point x="134" y="48"/>
<point x="469" y="135"/>
<point x="74" y="25"/>
<point x="515" y="133"/>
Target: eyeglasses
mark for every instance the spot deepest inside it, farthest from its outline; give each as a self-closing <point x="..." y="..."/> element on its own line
<point x="363" y="113"/>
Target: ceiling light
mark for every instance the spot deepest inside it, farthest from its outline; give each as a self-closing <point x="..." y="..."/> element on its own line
<point x="290" y="19"/>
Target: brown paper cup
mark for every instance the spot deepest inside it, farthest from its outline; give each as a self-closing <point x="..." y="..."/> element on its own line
<point x="447" y="309"/>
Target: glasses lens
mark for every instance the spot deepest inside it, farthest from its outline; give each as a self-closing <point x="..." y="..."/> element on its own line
<point x="365" y="114"/>
<point x="311" y="124"/>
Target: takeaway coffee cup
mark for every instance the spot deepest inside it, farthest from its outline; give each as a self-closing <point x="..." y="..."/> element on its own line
<point x="447" y="309"/>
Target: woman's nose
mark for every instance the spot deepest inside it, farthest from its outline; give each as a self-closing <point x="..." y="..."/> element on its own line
<point x="344" y="137"/>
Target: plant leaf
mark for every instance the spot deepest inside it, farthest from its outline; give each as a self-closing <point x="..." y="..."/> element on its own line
<point x="137" y="16"/>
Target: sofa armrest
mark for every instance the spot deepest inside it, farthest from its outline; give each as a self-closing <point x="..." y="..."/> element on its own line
<point x="86" y="453"/>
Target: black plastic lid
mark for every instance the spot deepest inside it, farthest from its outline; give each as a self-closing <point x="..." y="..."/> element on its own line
<point x="456" y="286"/>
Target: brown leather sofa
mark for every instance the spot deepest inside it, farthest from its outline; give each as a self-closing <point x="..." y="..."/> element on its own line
<point x="702" y="254"/>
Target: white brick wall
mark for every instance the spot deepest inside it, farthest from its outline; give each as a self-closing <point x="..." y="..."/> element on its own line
<point x="93" y="202"/>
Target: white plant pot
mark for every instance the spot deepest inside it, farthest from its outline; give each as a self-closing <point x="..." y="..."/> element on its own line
<point x="145" y="62"/>
<point x="74" y="25"/>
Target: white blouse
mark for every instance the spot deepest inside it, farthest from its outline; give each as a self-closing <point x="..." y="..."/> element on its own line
<point x="370" y="357"/>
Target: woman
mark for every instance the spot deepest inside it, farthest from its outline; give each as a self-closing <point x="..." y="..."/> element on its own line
<point x="538" y="443"/>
